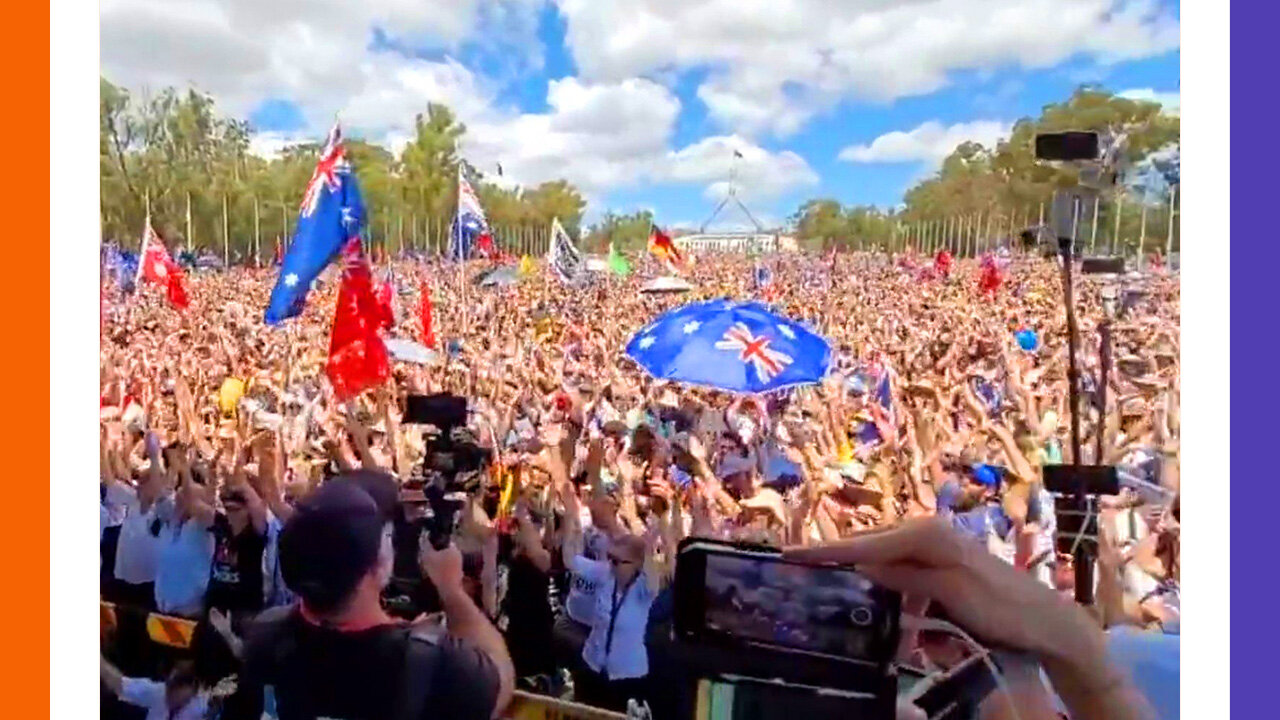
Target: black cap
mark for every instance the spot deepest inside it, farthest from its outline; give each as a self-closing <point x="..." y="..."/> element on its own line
<point x="376" y="484"/>
<point x="331" y="541"/>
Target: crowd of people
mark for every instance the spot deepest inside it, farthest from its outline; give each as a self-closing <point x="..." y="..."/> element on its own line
<point x="221" y="439"/>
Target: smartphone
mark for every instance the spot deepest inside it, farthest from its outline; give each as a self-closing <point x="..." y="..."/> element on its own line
<point x="750" y="597"/>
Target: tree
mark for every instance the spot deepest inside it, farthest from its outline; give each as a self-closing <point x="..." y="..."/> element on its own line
<point x="628" y="233"/>
<point x="174" y="148"/>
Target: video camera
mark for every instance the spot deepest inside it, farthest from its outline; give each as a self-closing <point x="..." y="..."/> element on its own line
<point x="450" y="470"/>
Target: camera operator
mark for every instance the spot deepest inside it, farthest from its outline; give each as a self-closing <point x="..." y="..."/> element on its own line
<point x="338" y="654"/>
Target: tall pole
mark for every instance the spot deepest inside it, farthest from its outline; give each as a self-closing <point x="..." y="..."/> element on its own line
<point x="257" y="235"/>
<point x="1093" y="234"/>
<point x="400" y="231"/>
<point x="1115" y="234"/>
<point x="1142" y="230"/>
<point x="226" y="236"/>
<point x="189" y="240"/>
<point x="1168" y="242"/>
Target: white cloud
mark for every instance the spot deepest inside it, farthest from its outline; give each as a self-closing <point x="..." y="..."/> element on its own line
<point x="311" y="52"/>
<point x="1170" y="101"/>
<point x="775" y="63"/>
<point x="929" y="142"/>
<point x="270" y="145"/>
<point x="599" y="135"/>
<point x="759" y="173"/>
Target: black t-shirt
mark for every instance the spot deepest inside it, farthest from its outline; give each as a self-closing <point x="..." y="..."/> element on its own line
<point x="235" y="578"/>
<point x="314" y="672"/>
<point x="527" y="606"/>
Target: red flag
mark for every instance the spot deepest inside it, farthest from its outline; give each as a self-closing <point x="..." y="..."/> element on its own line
<point x="157" y="267"/>
<point x="357" y="356"/>
<point x="424" y="309"/>
<point x="386" y="314"/>
<point x="989" y="282"/>
<point x="664" y="249"/>
<point x="942" y="263"/>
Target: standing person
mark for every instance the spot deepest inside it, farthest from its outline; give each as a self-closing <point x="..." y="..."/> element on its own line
<point x="615" y="650"/>
<point x="186" y="549"/>
<point x="338" y="654"/>
<point x="526" y="604"/>
<point x="235" y="580"/>
<point x="138" y="546"/>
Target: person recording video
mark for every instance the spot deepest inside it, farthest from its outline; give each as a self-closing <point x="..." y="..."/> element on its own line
<point x="337" y="653"/>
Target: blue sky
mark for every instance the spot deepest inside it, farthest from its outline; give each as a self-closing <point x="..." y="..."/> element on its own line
<point x="641" y="103"/>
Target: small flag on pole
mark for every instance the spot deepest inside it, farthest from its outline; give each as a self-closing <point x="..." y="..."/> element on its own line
<point x="662" y="247"/>
<point x="618" y="263"/>
<point x="331" y="214"/>
<point x="563" y="256"/>
<point x="157" y="267"/>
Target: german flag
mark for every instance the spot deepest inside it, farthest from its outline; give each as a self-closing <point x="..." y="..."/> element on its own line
<point x="664" y="249"/>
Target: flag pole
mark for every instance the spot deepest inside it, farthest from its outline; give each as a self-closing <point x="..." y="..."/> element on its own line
<point x="257" y="235"/>
<point x="146" y="237"/>
<point x="189" y="239"/>
<point x="226" y="244"/>
<point x="284" y="227"/>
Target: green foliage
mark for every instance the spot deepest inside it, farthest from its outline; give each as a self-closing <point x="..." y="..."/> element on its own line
<point x="628" y="233"/>
<point x="173" y="150"/>
<point x="1003" y="187"/>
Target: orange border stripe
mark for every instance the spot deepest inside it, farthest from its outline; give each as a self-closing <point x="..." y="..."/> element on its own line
<point x="24" y="684"/>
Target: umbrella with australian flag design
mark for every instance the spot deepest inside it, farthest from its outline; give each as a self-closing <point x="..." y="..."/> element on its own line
<point x="740" y="347"/>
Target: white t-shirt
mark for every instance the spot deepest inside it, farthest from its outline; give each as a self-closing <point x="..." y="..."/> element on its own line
<point x="149" y="694"/>
<point x="626" y="656"/>
<point x="581" y="602"/>
<point x="138" y="549"/>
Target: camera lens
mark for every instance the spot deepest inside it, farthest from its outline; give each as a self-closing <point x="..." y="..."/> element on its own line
<point x="861" y="616"/>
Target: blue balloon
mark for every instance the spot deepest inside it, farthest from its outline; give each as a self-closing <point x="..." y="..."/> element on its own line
<point x="742" y="347"/>
<point x="1027" y="340"/>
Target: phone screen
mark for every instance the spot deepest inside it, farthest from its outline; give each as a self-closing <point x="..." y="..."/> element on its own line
<point x="760" y="598"/>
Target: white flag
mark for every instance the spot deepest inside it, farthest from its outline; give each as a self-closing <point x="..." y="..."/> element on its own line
<point x="563" y="256"/>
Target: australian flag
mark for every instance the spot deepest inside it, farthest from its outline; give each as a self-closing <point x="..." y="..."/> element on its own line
<point x="469" y="232"/>
<point x="331" y="213"/>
